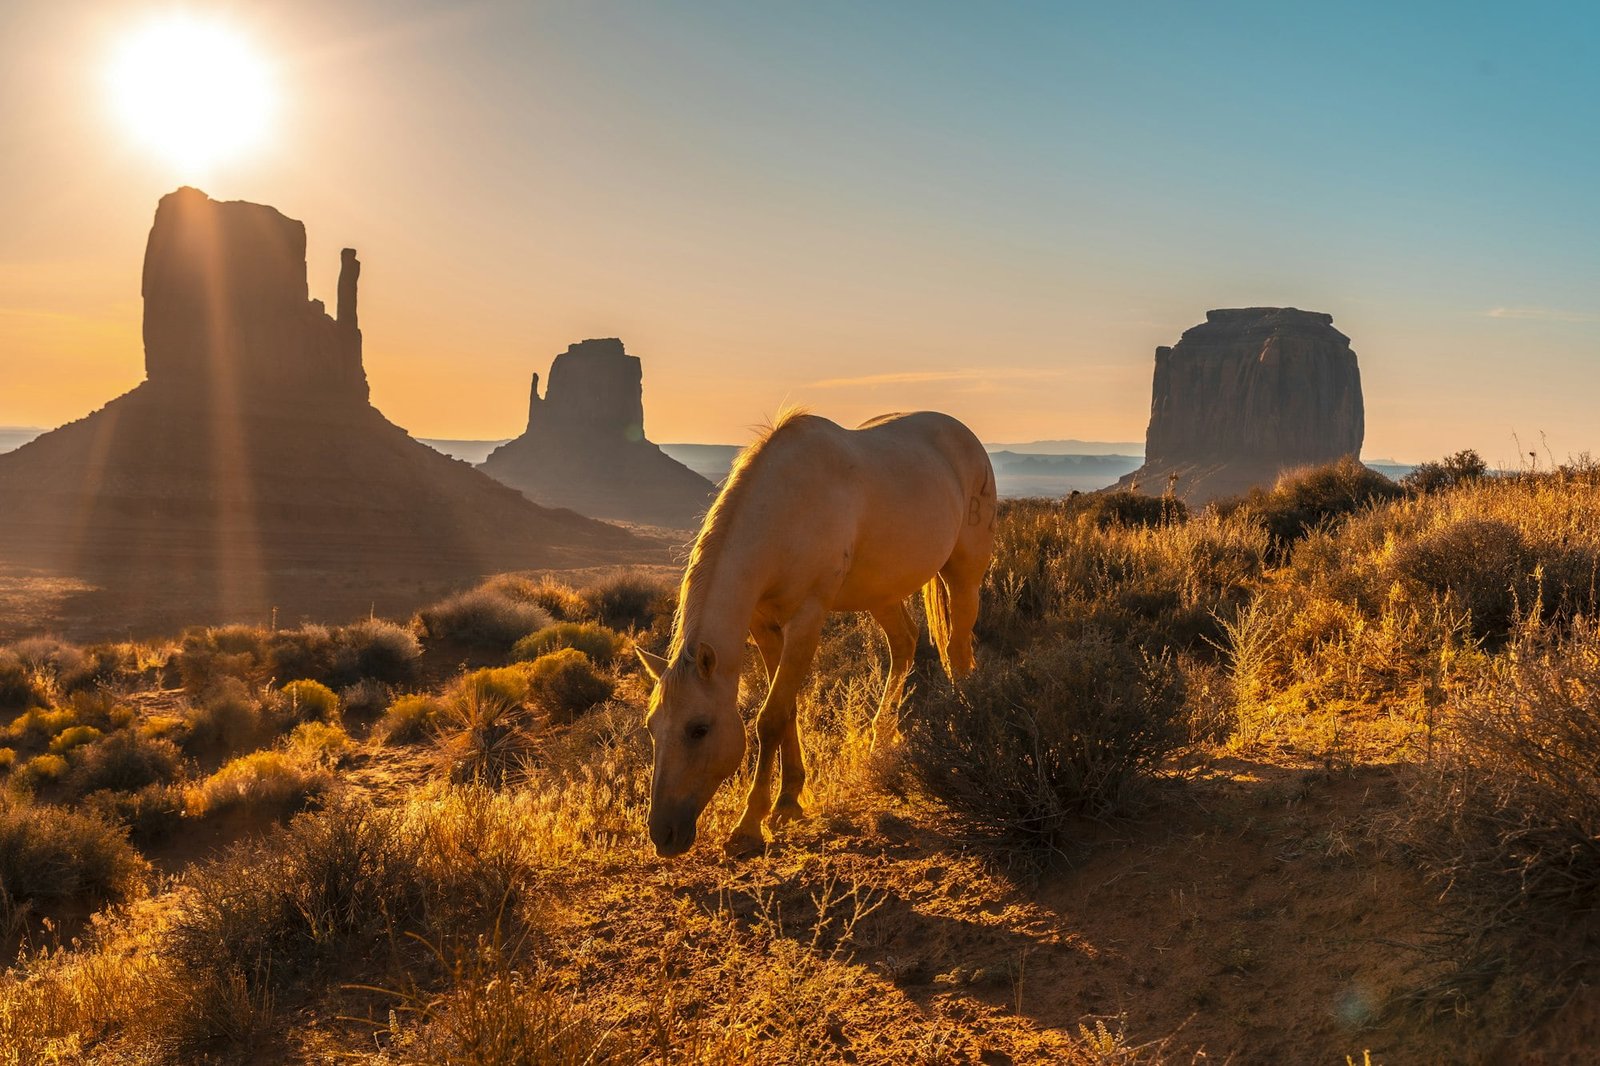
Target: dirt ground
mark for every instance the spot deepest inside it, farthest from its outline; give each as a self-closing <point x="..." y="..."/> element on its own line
<point x="1257" y="913"/>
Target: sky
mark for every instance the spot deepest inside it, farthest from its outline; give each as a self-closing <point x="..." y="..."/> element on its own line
<point x="996" y="210"/>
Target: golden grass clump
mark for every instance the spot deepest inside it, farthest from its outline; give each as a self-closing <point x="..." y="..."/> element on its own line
<point x="411" y="718"/>
<point x="565" y="684"/>
<point x="599" y="643"/>
<point x="267" y="781"/>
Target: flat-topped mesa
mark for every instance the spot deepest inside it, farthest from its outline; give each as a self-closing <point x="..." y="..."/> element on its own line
<point x="1248" y="393"/>
<point x="1272" y="383"/>
<point x="227" y="314"/>
<point x="596" y="390"/>
<point x="585" y="447"/>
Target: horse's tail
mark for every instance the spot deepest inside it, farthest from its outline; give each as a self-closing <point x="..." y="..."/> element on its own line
<point x="936" y="605"/>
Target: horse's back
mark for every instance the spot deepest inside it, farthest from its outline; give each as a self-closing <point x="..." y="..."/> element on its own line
<point x="923" y="446"/>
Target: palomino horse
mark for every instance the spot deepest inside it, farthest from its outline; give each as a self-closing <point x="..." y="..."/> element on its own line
<point x="814" y="518"/>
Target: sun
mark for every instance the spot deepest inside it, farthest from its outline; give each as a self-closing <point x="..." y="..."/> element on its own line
<point x="192" y="91"/>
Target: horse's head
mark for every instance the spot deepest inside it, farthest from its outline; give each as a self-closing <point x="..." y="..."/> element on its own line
<point x="699" y="740"/>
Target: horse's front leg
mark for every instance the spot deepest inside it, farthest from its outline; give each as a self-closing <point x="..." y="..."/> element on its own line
<point x="774" y="724"/>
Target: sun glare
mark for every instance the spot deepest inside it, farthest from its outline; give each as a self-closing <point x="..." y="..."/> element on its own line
<point x="194" y="92"/>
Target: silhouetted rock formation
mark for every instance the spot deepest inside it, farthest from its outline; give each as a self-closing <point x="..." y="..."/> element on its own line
<point x="585" y="448"/>
<point x="1245" y="395"/>
<point x="251" y="455"/>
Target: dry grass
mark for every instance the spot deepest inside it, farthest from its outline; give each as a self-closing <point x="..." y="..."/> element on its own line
<point x="510" y="909"/>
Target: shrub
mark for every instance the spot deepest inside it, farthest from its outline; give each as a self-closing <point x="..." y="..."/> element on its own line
<point x="150" y="814"/>
<point x="124" y="762"/>
<point x="1306" y="499"/>
<point x="304" y="701"/>
<point x="565" y="684"/>
<point x="208" y="656"/>
<point x="18" y="686"/>
<point x="226" y="719"/>
<point x="382" y="651"/>
<point x="333" y="886"/>
<point x="487" y="736"/>
<point x="1128" y="509"/>
<point x="629" y="601"/>
<point x="365" y="698"/>
<point x="38" y="724"/>
<point x="599" y="643"/>
<point x="321" y="742"/>
<point x="74" y="737"/>
<point x="1509" y="806"/>
<point x="482" y="619"/>
<point x="7" y="757"/>
<point x="1483" y="564"/>
<point x="41" y="770"/>
<point x="163" y="726"/>
<point x="53" y="854"/>
<point x="1462" y="468"/>
<point x="562" y="601"/>
<point x="274" y="780"/>
<point x="1056" y="571"/>
<point x="66" y="667"/>
<point x="309" y="651"/>
<point x="410" y="719"/>
<point x="1026" y="748"/>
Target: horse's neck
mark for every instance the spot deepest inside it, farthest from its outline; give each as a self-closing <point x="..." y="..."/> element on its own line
<point x="722" y="599"/>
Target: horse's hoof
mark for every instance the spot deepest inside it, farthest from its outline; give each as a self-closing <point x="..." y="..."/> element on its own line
<point x="786" y="811"/>
<point x="745" y="845"/>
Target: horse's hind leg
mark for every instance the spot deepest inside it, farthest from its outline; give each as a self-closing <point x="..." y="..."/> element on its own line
<point x="800" y="637"/>
<point x="900" y="627"/>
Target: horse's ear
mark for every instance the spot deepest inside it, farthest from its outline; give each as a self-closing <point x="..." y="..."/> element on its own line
<point x="654" y="665"/>
<point x="705" y="660"/>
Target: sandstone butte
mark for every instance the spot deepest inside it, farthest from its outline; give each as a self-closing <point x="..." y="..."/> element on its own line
<point x="1246" y="395"/>
<point x="251" y="451"/>
<point x="585" y="447"/>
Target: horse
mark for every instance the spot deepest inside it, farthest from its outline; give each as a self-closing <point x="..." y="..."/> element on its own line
<point x="814" y="518"/>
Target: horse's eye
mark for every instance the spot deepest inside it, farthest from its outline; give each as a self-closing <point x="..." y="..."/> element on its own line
<point x="697" y="730"/>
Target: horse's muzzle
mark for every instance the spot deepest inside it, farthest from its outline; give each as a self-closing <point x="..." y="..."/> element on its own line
<point x="672" y="832"/>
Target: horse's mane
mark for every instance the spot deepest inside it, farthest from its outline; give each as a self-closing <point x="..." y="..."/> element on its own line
<point x="714" y="532"/>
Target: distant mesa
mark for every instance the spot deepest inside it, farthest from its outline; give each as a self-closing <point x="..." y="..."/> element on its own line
<point x="1245" y="395"/>
<point x="251" y="455"/>
<point x="585" y="447"/>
